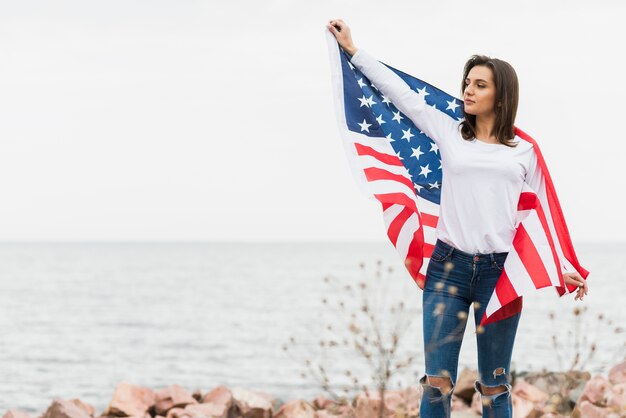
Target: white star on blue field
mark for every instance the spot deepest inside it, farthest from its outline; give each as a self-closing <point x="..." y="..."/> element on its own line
<point x="369" y="112"/>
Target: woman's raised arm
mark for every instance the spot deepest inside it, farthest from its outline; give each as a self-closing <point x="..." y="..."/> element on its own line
<point x="434" y="123"/>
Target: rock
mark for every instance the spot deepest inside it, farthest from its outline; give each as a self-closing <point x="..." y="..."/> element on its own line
<point x="321" y="402"/>
<point x="464" y="387"/>
<point x="477" y="404"/>
<point x="570" y="383"/>
<point x="15" y="413"/>
<point x="222" y="397"/>
<point x="617" y="374"/>
<point x="69" y="409"/>
<point x="296" y="409"/>
<point x="595" y="391"/>
<point x="203" y="410"/>
<point x="398" y="403"/>
<point x="617" y="397"/>
<point x="336" y="410"/>
<point x="529" y="392"/>
<point x="253" y="404"/>
<point x="175" y="413"/>
<point x="197" y="395"/>
<point x="459" y="404"/>
<point x="587" y="409"/>
<point x="170" y="397"/>
<point x="366" y="406"/>
<point x="522" y="407"/>
<point x="464" y="414"/>
<point x="395" y="402"/>
<point x="412" y="399"/>
<point x="130" y="400"/>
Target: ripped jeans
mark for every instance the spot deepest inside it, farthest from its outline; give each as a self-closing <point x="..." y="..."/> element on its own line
<point x="454" y="280"/>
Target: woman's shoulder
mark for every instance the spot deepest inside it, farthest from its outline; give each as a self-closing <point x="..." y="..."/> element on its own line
<point x="522" y="145"/>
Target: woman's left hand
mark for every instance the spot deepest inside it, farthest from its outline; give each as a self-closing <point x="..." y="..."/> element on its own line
<point x="576" y="279"/>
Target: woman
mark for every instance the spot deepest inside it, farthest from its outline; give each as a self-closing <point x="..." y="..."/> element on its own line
<point x="485" y="166"/>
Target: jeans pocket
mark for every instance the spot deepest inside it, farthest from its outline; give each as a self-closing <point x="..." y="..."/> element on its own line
<point x="498" y="265"/>
<point x="438" y="257"/>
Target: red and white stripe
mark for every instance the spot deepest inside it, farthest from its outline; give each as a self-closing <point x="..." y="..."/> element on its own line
<point x="542" y="249"/>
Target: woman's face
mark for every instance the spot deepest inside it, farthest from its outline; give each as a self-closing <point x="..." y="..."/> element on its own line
<point x="480" y="91"/>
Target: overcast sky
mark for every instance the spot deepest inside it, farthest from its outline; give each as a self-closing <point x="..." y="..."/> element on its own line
<point x="207" y="120"/>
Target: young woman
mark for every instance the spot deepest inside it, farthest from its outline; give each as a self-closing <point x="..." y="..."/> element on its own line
<point x="484" y="165"/>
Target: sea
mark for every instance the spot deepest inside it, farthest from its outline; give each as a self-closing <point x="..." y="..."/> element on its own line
<point x="77" y="319"/>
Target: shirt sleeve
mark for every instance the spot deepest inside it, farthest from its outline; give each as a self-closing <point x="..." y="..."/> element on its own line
<point x="437" y="125"/>
<point x="534" y="178"/>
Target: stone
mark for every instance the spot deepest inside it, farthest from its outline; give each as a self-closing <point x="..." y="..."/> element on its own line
<point x="197" y="395"/>
<point x="366" y="405"/>
<point x="529" y="392"/>
<point x="397" y="403"/>
<point x="458" y="404"/>
<point x="522" y="407"/>
<point x="221" y="396"/>
<point x="69" y="409"/>
<point x="170" y="397"/>
<point x="15" y="413"/>
<point x="617" y="374"/>
<point x="617" y="397"/>
<point x="176" y="413"/>
<point x="477" y="404"/>
<point x="595" y="391"/>
<point x="321" y="402"/>
<point x="468" y="413"/>
<point x="551" y="382"/>
<point x="464" y="386"/>
<point x="130" y="401"/>
<point x="412" y="399"/>
<point x="296" y="409"/>
<point x="337" y="410"/>
<point x="587" y="409"/>
<point x="253" y="404"/>
<point x="203" y="410"/>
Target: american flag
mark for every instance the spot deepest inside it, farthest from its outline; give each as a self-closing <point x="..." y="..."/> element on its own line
<point x="398" y="165"/>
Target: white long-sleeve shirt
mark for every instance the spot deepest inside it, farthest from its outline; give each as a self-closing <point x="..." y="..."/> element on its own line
<point x="482" y="181"/>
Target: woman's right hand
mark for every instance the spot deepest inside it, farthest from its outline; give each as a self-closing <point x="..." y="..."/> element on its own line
<point x="342" y="33"/>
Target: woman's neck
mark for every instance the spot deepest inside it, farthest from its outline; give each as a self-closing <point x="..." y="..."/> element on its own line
<point x="484" y="128"/>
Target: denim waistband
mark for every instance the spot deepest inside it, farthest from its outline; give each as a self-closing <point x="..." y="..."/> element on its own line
<point x="471" y="257"/>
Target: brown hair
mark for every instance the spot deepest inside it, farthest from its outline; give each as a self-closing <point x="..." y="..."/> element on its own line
<point x="507" y="97"/>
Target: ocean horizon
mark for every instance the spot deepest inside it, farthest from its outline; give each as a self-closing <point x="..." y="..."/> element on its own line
<point x="77" y="318"/>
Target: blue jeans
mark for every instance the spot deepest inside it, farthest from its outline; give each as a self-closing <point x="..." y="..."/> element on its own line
<point x="454" y="280"/>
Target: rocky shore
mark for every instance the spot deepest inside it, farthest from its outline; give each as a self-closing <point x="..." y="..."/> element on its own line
<point x="534" y="395"/>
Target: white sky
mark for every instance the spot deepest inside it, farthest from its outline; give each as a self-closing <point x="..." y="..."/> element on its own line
<point x="207" y="120"/>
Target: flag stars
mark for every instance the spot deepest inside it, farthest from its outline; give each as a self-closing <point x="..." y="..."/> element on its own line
<point x="389" y="137"/>
<point x="365" y="126"/>
<point x="433" y="147"/>
<point x="423" y="93"/>
<point x="380" y="120"/>
<point x="407" y="134"/>
<point x="396" y="116"/>
<point x="386" y="100"/>
<point x="370" y="101"/>
<point x="434" y="185"/>
<point x="425" y="170"/>
<point x="418" y="187"/>
<point x="361" y="83"/>
<point x="364" y="101"/>
<point x="417" y="153"/>
<point x="452" y="105"/>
